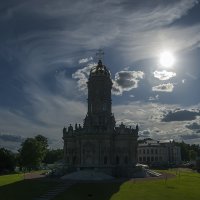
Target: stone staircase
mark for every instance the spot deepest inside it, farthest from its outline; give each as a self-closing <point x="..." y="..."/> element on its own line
<point x="152" y="173"/>
<point x="51" y="194"/>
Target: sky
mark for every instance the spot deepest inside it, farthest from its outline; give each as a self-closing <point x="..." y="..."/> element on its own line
<point x="48" y="47"/>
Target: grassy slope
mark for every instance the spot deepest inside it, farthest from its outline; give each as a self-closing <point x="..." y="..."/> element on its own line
<point x="14" y="187"/>
<point x="8" y="179"/>
<point x="183" y="187"/>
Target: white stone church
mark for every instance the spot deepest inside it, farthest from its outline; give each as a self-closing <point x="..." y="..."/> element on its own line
<point x="99" y="144"/>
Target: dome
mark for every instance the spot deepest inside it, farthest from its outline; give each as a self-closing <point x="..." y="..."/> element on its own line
<point x="99" y="70"/>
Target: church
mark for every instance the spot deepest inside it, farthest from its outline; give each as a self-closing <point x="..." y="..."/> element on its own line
<point x="99" y="144"/>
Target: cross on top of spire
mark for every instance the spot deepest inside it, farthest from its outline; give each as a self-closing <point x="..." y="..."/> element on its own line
<point x="100" y="54"/>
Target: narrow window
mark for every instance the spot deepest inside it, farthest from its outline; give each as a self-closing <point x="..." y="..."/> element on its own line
<point x="74" y="160"/>
<point x="126" y="160"/>
<point x="105" y="160"/>
<point x="117" y="160"/>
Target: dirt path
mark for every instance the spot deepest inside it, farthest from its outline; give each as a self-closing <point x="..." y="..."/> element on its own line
<point x="163" y="176"/>
<point x="33" y="175"/>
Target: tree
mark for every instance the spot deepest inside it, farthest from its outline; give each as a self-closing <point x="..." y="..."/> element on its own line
<point x="32" y="153"/>
<point x="7" y="160"/>
<point x="53" y="156"/>
<point x="193" y="154"/>
<point x="44" y="143"/>
<point x="43" y="140"/>
<point x="189" y="152"/>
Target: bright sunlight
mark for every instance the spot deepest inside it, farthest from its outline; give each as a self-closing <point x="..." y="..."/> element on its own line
<point x="167" y="59"/>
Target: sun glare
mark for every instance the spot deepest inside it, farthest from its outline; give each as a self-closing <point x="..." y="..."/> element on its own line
<point x="166" y="59"/>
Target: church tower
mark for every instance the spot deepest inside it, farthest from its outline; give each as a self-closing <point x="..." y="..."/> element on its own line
<point x="99" y="144"/>
<point x="99" y="117"/>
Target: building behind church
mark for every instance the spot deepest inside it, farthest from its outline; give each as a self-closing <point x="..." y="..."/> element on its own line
<point x="159" y="153"/>
<point x="99" y="144"/>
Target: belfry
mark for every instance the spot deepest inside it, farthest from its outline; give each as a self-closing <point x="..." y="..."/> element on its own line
<point x="99" y="117"/>
<point x="99" y="144"/>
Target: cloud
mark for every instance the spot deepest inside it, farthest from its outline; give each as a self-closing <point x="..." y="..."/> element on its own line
<point x="85" y="60"/>
<point x="11" y="138"/>
<point x="193" y="126"/>
<point x="168" y="87"/>
<point x="190" y="136"/>
<point x="154" y="98"/>
<point x="181" y="115"/>
<point x="153" y="118"/>
<point x="60" y="32"/>
<point x="145" y="133"/>
<point x="82" y="77"/>
<point x="126" y="81"/>
<point x="164" y="75"/>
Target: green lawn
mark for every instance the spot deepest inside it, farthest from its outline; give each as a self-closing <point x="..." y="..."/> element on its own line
<point x="183" y="187"/>
<point x="14" y="187"/>
<point x="8" y="179"/>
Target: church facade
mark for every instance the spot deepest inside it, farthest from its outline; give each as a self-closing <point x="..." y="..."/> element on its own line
<point x="99" y="144"/>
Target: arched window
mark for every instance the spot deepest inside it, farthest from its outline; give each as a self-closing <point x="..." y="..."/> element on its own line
<point x="105" y="160"/>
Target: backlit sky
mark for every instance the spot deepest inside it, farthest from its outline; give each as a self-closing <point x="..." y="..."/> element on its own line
<point x="48" y="47"/>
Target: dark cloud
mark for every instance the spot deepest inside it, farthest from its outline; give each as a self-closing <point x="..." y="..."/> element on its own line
<point x="193" y="126"/>
<point x="190" y="136"/>
<point x="11" y="138"/>
<point x="166" y="87"/>
<point x="126" y="81"/>
<point x="181" y="115"/>
<point x="145" y="133"/>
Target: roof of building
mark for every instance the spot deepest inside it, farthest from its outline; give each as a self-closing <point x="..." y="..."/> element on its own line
<point x="151" y="142"/>
<point x="99" y="70"/>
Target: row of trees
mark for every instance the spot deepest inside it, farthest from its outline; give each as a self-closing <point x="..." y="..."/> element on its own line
<point x="32" y="153"/>
<point x="7" y="160"/>
<point x="189" y="151"/>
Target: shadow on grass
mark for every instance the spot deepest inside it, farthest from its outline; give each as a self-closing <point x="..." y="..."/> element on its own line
<point x="25" y="189"/>
<point x="90" y="190"/>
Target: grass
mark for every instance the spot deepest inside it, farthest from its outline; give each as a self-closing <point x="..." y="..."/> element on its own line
<point x="185" y="186"/>
<point x="15" y="187"/>
<point x="8" y="179"/>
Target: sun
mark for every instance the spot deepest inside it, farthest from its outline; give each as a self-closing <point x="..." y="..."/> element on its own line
<point x="166" y="59"/>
